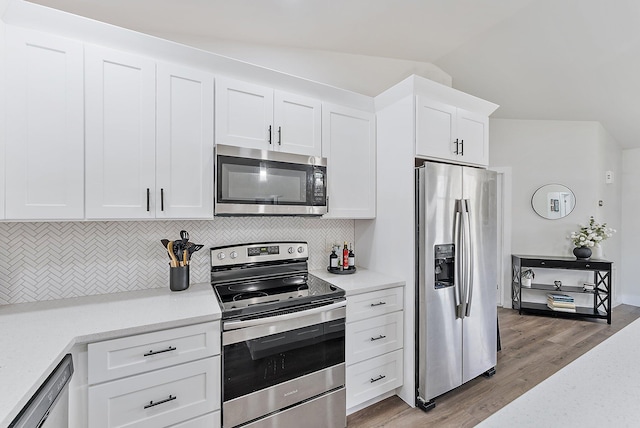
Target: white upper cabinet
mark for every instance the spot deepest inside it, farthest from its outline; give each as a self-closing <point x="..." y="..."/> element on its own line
<point x="473" y="133"/>
<point x="184" y="147"/>
<point x="44" y="162"/>
<point x="257" y="117"/>
<point x="349" y="144"/>
<point x="445" y="132"/>
<point x="297" y="124"/>
<point x="120" y="134"/>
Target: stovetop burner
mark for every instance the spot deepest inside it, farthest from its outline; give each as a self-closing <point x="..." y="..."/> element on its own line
<point x="248" y="295"/>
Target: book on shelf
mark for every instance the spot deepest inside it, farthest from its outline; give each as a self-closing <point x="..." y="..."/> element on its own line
<point x="554" y="304"/>
<point x="557" y="297"/>
<point x="560" y="309"/>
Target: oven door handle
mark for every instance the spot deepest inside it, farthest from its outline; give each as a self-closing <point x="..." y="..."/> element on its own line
<point x="234" y="325"/>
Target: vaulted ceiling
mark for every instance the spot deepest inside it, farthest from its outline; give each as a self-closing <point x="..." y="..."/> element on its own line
<point x="538" y="59"/>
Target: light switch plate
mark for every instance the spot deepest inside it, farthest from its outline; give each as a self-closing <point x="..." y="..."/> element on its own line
<point x="608" y="177"/>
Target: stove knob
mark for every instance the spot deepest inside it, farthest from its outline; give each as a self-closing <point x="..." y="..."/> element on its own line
<point x="233" y="254"/>
<point x="301" y="250"/>
<point x="290" y="250"/>
<point x="221" y="256"/>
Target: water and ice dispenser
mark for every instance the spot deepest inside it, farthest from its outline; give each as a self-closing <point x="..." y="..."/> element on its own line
<point x="444" y="257"/>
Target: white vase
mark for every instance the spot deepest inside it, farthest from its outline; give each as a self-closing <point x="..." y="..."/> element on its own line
<point x="526" y="282"/>
<point x="598" y="252"/>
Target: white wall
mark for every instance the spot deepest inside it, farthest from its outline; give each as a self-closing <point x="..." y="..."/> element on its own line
<point x="571" y="153"/>
<point x="367" y="75"/>
<point x="630" y="288"/>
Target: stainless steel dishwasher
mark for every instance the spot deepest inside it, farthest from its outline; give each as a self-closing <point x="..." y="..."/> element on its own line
<point x="49" y="406"/>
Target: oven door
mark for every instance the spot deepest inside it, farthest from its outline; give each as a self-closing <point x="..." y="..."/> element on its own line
<point x="274" y="363"/>
<point x="264" y="182"/>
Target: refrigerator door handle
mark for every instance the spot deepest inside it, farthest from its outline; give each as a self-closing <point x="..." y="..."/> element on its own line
<point x="468" y="257"/>
<point x="458" y="260"/>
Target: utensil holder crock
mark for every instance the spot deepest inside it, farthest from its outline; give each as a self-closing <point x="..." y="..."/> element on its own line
<point x="179" y="278"/>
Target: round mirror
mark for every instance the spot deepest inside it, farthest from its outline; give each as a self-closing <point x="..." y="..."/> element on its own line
<point x="553" y="201"/>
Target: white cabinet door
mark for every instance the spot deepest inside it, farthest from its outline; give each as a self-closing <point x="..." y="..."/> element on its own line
<point x="184" y="147"/>
<point x="120" y="134"/>
<point x="244" y="114"/>
<point x="435" y="129"/>
<point x="349" y="144"/>
<point x="257" y="117"/>
<point x="374" y="377"/>
<point x="473" y="135"/>
<point x="449" y="133"/>
<point x="44" y="170"/>
<point x="158" y="398"/>
<point x="297" y="124"/>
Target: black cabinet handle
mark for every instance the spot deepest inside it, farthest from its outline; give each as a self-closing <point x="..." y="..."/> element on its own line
<point x="166" y="400"/>
<point x="161" y="199"/>
<point x="379" y="303"/>
<point x="269" y="134"/>
<point x="148" y="198"/>
<point x="378" y="378"/>
<point x="378" y="338"/>
<point x="461" y="147"/>
<point x="279" y="135"/>
<point x="169" y="349"/>
<point x="457" y="151"/>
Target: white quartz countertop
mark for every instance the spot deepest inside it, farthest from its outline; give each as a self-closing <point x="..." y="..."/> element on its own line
<point x="35" y="336"/>
<point x="599" y="389"/>
<point x="362" y="281"/>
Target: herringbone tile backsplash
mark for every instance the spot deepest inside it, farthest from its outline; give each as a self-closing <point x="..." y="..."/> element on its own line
<point x="47" y="261"/>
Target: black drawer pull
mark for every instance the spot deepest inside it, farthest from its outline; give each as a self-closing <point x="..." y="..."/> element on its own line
<point x="542" y="263"/>
<point x="169" y="349"/>
<point x="166" y="400"/>
<point x="379" y="303"/>
<point x="378" y="378"/>
<point x="378" y="338"/>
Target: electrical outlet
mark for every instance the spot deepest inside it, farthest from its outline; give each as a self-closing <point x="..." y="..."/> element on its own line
<point x="328" y="245"/>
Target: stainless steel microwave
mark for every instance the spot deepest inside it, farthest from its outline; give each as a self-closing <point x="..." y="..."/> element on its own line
<point x="263" y="182"/>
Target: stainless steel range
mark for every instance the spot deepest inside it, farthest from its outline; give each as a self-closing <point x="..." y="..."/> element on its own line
<point x="283" y="337"/>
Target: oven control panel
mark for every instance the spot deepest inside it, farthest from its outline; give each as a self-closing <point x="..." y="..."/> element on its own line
<point x="263" y="250"/>
<point x="253" y="253"/>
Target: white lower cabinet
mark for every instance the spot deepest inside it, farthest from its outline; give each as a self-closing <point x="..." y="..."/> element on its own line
<point x="168" y="378"/>
<point x="159" y="398"/>
<point x="374" y="377"/>
<point x="374" y="344"/>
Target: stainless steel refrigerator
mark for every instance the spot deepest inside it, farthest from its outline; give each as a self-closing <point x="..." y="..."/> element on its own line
<point x="456" y="277"/>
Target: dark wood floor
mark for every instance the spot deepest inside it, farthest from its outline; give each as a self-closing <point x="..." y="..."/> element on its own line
<point x="533" y="348"/>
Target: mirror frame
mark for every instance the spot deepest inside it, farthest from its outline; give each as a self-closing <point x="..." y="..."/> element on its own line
<point x="553" y="204"/>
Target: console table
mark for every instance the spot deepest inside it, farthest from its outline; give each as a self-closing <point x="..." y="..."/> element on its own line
<point x="601" y="278"/>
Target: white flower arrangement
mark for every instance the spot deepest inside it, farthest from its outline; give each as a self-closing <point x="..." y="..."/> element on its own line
<point x="591" y="234"/>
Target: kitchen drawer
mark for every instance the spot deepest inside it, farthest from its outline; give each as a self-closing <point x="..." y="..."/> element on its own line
<point x="157" y="399"/>
<point x="126" y="356"/>
<point x="375" y="303"/>
<point x="371" y="378"/>
<point x="210" y="420"/>
<point x="374" y="336"/>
